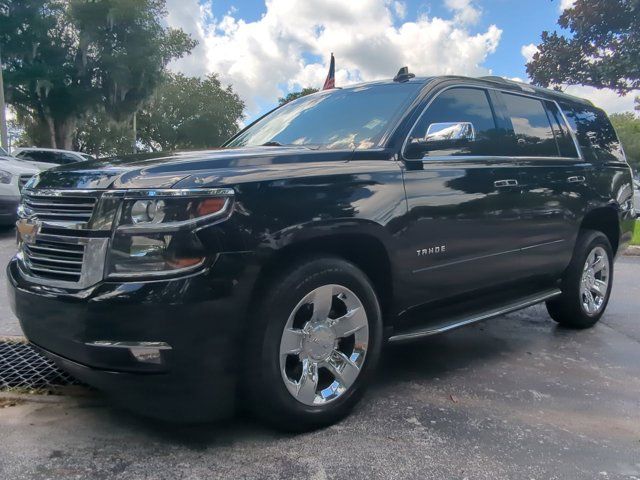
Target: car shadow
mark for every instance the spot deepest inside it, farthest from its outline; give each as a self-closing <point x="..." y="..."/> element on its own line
<point x="419" y="361"/>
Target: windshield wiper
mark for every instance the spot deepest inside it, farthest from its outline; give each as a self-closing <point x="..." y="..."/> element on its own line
<point x="271" y="144"/>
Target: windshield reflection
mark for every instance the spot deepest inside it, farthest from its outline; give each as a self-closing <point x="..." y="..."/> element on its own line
<point x="350" y="118"/>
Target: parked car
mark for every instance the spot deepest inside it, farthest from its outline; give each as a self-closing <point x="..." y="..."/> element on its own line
<point x="271" y="271"/>
<point x="13" y="176"/>
<point x="49" y="157"/>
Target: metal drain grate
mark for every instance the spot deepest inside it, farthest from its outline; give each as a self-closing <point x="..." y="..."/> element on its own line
<point x="22" y="367"/>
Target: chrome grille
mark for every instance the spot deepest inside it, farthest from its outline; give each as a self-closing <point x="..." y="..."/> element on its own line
<point x="54" y="260"/>
<point x="22" y="180"/>
<point x="72" y="208"/>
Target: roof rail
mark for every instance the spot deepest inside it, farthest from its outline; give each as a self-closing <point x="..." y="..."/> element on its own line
<point x="533" y="88"/>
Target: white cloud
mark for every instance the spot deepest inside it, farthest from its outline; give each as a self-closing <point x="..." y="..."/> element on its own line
<point x="400" y="9"/>
<point x="605" y="98"/>
<point x="466" y="12"/>
<point x="565" y="4"/>
<point x="289" y="46"/>
<point x="528" y="51"/>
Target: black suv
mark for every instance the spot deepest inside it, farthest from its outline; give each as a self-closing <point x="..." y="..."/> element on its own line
<point x="273" y="269"/>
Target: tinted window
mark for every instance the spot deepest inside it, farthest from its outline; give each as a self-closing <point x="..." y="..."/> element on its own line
<point x="561" y="131"/>
<point x="454" y="107"/>
<point x="56" y="158"/>
<point x="336" y="119"/>
<point x="595" y="134"/>
<point x="533" y="133"/>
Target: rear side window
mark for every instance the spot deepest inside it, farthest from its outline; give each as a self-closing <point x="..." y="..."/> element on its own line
<point x="532" y="129"/>
<point x="460" y="121"/>
<point x="595" y="134"/>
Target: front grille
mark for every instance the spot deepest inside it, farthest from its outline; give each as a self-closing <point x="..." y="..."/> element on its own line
<point x="54" y="260"/>
<point x="72" y="208"/>
<point x="22" y="180"/>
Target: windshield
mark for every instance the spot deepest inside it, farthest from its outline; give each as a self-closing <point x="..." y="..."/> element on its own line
<point x="47" y="156"/>
<point x="353" y="118"/>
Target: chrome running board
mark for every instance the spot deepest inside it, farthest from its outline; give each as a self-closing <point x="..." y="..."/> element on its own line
<point x="496" y="312"/>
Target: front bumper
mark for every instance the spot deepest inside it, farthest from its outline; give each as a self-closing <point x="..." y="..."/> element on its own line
<point x="200" y="317"/>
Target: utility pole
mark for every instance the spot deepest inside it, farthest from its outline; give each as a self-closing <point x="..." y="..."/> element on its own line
<point x="4" y="137"/>
<point x="134" y="148"/>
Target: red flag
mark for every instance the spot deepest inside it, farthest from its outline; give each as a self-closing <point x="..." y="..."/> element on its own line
<point x="330" y="82"/>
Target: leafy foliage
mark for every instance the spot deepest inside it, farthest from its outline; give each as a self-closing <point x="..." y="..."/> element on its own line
<point x="627" y="126"/>
<point x="65" y="59"/>
<point x="295" y="95"/>
<point x="184" y="113"/>
<point x="603" y="50"/>
<point x="189" y="112"/>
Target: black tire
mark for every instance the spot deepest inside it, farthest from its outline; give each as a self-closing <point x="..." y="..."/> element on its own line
<point x="567" y="309"/>
<point x="265" y="392"/>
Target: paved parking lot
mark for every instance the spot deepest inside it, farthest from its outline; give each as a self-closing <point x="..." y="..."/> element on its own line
<point x="514" y="398"/>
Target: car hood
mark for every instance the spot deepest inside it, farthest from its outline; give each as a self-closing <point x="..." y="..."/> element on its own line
<point x="17" y="167"/>
<point x="165" y="170"/>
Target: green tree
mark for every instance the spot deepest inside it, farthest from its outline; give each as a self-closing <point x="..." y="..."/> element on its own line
<point x="188" y="113"/>
<point x="101" y="136"/>
<point x="602" y="50"/>
<point x="295" y="95"/>
<point x="66" y="59"/>
<point x="627" y="126"/>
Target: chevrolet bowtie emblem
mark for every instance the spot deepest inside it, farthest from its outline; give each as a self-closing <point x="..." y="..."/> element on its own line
<point x="28" y="229"/>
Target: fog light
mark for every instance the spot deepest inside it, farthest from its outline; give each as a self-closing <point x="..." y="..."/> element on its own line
<point x="145" y="352"/>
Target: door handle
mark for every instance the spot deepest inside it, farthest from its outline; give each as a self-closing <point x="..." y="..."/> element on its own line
<point x="506" y="183"/>
<point x="576" y="179"/>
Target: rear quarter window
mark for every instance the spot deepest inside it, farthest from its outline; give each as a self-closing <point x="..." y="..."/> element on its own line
<point x="596" y="136"/>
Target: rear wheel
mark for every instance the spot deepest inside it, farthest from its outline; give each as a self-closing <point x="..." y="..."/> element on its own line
<point x="315" y="340"/>
<point x="587" y="283"/>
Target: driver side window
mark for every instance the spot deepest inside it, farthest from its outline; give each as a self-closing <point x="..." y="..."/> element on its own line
<point x="459" y="121"/>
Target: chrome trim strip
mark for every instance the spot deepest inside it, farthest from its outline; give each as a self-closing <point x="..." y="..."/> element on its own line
<point x="116" y="344"/>
<point x="524" y="303"/>
<point x="482" y="257"/>
<point x="177" y="192"/>
<point x="501" y="90"/>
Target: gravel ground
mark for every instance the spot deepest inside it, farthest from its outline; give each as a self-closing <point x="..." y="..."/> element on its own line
<point x="515" y="398"/>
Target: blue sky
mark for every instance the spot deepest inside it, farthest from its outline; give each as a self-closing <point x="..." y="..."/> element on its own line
<point x="265" y="49"/>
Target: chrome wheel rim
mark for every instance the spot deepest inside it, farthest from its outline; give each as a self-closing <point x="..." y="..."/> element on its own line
<point x="324" y="344"/>
<point x="594" y="284"/>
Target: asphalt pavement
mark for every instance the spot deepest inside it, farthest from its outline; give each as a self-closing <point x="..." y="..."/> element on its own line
<point x="516" y="397"/>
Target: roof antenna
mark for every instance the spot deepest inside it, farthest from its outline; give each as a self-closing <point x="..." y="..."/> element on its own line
<point x="403" y="75"/>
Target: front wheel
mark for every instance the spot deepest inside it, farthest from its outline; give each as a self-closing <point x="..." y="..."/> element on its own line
<point x="586" y="286"/>
<point x="315" y="340"/>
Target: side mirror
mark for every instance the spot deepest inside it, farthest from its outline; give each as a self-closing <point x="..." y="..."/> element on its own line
<point x="442" y="136"/>
<point x="450" y="131"/>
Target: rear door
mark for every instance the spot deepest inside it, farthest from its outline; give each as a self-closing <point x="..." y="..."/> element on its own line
<point x="554" y="181"/>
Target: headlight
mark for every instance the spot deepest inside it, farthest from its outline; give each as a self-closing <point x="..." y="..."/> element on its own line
<point x="156" y="230"/>
<point x="5" y="177"/>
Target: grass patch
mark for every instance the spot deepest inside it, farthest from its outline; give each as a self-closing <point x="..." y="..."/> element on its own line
<point x="636" y="234"/>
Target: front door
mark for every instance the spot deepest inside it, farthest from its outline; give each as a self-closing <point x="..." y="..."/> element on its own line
<point x="464" y="200"/>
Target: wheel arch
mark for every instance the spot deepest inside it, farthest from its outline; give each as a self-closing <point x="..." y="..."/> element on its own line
<point x="605" y="220"/>
<point x="365" y="249"/>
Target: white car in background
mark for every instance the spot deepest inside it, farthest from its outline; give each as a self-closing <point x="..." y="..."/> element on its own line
<point x="14" y="174"/>
<point x="46" y="158"/>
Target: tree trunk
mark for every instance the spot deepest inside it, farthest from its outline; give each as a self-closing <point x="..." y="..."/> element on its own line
<point x="64" y="129"/>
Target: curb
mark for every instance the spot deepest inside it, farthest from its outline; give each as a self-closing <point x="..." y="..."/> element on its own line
<point x="632" y="250"/>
